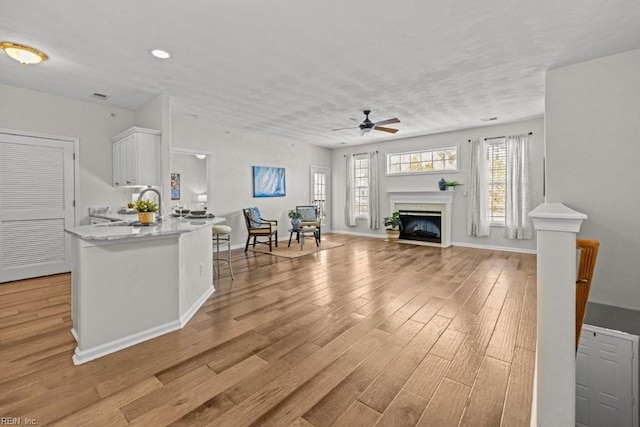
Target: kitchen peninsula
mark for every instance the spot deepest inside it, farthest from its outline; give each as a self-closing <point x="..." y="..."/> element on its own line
<point x="134" y="283"/>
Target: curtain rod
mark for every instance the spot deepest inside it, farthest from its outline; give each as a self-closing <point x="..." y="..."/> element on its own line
<point x="498" y="137"/>
<point x="356" y="154"/>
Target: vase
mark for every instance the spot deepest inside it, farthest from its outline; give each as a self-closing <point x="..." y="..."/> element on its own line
<point x="146" y="217"/>
<point x="442" y="184"/>
<point x="392" y="234"/>
<point x="296" y="223"/>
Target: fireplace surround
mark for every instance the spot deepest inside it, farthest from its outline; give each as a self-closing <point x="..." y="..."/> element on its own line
<point x="431" y="202"/>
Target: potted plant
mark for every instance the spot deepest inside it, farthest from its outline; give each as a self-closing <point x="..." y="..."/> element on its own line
<point x="451" y="185"/>
<point x="146" y="210"/>
<point x="392" y="224"/>
<point x="296" y="219"/>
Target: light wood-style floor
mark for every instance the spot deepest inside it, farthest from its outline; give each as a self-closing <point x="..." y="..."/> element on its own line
<point x="370" y="333"/>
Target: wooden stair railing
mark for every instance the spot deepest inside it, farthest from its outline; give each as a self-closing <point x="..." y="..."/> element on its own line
<point x="588" y="254"/>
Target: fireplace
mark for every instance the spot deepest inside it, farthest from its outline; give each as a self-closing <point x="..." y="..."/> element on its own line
<point x="431" y="212"/>
<point x="423" y="226"/>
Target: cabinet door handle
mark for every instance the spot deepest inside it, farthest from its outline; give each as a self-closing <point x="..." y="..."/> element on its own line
<point x="117" y="183"/>
<point x="128" y="182"/>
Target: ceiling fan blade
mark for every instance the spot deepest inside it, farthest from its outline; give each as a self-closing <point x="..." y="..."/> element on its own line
<point x="353" y="118"/>
<point x="386" y="129"/>
<point x="388" y="121"/>
<point x="351" y="127"/>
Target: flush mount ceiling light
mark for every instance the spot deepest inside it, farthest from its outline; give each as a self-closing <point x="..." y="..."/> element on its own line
<point x="162" y="54"/>
<point x="201" y="156"/>
<point x="23" y="53"/>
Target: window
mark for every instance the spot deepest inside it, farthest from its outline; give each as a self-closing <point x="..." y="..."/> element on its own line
<point x="436" y="160"/>
<point x="361" y="186"/>
<point x="496" y="180"/>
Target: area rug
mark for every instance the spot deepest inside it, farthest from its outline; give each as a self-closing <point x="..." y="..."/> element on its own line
<point x="294" y="250"/>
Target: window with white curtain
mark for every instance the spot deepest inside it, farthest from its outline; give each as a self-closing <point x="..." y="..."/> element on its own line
<point x="361" y="186"/>
<point x="496" y="180"/>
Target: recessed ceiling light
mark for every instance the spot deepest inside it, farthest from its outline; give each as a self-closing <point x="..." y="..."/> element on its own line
<point x="489" y="119"/>
<point x="23" y="53"/>
<point x="159" y="53"/>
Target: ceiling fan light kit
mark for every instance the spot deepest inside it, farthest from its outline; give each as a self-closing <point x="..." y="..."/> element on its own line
<point x="367" y="125"/>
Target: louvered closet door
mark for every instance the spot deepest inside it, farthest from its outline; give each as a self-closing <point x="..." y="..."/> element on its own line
<point x="36" y="197"/>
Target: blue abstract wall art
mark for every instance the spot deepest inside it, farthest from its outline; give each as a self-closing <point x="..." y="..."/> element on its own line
<point x="268" y="182"/>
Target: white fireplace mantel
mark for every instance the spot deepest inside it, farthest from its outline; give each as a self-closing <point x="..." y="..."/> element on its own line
<point x="436" y="197"/>
<point x="413" y="196"/>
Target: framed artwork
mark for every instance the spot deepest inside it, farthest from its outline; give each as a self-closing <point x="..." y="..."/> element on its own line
<point x="175" y="186"/>
<point x="268" y="182"/>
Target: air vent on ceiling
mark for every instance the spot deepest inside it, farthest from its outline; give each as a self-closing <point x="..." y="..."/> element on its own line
<point x="100" y="96"/>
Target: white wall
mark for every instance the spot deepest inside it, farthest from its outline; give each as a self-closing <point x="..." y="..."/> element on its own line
<point x="156" y="114"/>
<point x="430" y="181"/>
<point x="593" y="155"/>
<point x="93" y="124"/>
<point x="193" y="179"/>
<point x="234" y="153"/>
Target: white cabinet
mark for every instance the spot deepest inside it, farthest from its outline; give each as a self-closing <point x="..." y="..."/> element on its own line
<point x="136" y="158"/>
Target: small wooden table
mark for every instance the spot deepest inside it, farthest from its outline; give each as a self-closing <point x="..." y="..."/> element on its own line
<point x="303" y="232"/>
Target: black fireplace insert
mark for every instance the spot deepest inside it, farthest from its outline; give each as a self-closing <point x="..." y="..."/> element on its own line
<point x="423" y="226"/>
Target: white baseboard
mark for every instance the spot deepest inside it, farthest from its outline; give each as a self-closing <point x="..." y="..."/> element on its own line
<point x="196" y="306"/>
<point x="353" y="233"/>
<point x="84" y="356"/>
<point x="495" y="248"/>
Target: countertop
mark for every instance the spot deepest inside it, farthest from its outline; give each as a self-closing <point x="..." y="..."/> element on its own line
<point x="119" y="231"/>
<point x="114" y="213"/>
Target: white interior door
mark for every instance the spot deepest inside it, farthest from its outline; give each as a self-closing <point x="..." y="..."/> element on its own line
<point x="605" y="379"/>
<point x="319" y="193"/>
<point x="36" y="204"/>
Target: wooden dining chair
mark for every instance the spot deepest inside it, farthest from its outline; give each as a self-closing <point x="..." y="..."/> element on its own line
<point x="588" y="254"/>
<point x="260" y="227"/>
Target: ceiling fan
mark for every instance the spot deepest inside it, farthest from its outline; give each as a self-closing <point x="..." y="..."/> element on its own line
<point x="367" y="125"/>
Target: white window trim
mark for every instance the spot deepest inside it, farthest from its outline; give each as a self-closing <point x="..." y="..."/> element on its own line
<point x="422" y="150"/>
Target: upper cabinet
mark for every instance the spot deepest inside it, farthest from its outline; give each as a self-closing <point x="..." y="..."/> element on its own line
<point x="136" y="158"/>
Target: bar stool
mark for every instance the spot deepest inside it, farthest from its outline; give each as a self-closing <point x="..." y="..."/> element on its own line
<point x="221" y="233"/>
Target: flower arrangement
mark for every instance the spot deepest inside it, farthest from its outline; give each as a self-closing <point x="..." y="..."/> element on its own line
<point x="142" y="205"/>
<point x="452" y="183"/>
<point x="294" y="214"/>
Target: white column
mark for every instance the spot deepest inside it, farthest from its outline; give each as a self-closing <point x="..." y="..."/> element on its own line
<point x="555" y="378"/>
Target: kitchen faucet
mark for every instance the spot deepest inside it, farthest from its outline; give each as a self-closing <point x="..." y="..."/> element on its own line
<point x="149" y="188"/>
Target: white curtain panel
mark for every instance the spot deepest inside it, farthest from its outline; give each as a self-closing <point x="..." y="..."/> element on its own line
<point x="374" y="202"/>
<point x="477" y="224"/>
<point x="518" y="200"/>
<point x="349" y="206"/>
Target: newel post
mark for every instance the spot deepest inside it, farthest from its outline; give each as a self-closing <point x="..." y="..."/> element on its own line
<point x="555" y="375"/>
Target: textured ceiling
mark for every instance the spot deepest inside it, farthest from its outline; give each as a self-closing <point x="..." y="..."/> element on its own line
<point x="299" y="68"/>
